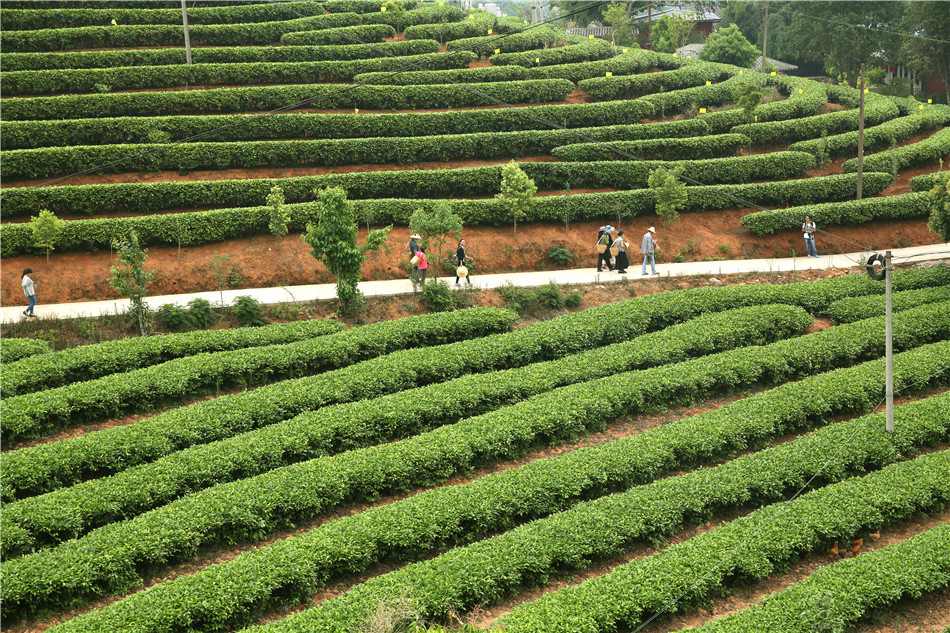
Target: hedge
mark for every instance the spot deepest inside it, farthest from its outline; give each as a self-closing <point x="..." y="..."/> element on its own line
<point x="463" y="75"/>
<point x="844" y="213"/>
<point x="230" y="594"/>
<point x="94" y="454"/>
<point x="854" y="309"/>
<point x="495" y="568"/>
<point x="631" y="63"/>
<point x="475" y="24"/>
<point x="931" y="150"/>
<point x="426" y="14"/>
<point x="252" y="507"/>
<point x="49" y="18"/>
<point x="632" y="86"/>
<point x="203" y="227"/>
<point x="151" y="197"/>
<point x="217" y="55"/>
<point x="586" y="51"/>
<point x="270" y="97"/>
<point x="877" y="110"/>
<point x="878" y="136"/>
<point x="717" y="146"/>
<point x="43" y="520"/>
<point x="851" y="590"/>
<point x="348" y="35"/>
<point x="35" y="414"/>
<point x="247" y="127"/>
<point x="486" y="45"/>
<point x="35" y="82"/>
<point x="771" y="538"/>
<point x="923" y="182"/>
<point x="87" y="362"/>
<point x="127" y="36"/>
<point x="13" y="349"/>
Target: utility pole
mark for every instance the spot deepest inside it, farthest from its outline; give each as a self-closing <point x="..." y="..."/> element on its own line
<point x="888" y="345"/>
<point x="765" y="37"/>
<point x="184" y="21"/>
<point x="861" y="133"/>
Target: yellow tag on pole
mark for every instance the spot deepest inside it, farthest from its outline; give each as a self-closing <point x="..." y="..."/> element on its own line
<point x="471" y="17"/>
<point x="441" y="4"/>
<point x="865" y="91"/>
<point x="591" y="36"/>
<point x="114" y="23"/>
<point x="497" y="50"/>
<point x="525" y="21"/>
<point x="383" y="9"/>
<point x="702" y="110"/>
<point x="688" y="57"/>
<point x="609" y="74"/>
<point x="930" y="100"/>
<point x="921" y="106"/>
<point x="740" y="72"/>
<point x="489" y="31"/>
<point x="800" y="91"/>
<point x="625" y="50"/>
<point x="773" y="73"/>
<point x="757" y="118"/>
<point x="356" y="110"/>
<point x="537" y="60"/>
<point x="708" y="83"/>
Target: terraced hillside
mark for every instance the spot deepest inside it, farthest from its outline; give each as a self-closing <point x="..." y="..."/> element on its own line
<point x="106" y="127"/>
<point x="662" y="462"/>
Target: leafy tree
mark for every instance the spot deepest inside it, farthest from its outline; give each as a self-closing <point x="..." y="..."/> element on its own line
<point x="618" y="17"/>
<point x="436" y="226"/>
<point x="670" y="192"/>
<point x="672" y="31"/>
<point x="516" y="193"/>
<point x="46" y="230"/>
<point x="130" y="279"/>
<point x="750" y="18"/>
<point x="939" y="198"/>
<point x="279" y="214"/>
<point x="729" y="46"/>
<point x="333" y="240"/>
<point x="860" y="33"/>
<point x="930" y="20"/>
<point x="747" y="96"/>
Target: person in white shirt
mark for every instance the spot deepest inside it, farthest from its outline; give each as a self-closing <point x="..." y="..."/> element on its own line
<point x="28" y="291"/>
<point x="647" y="249"/>
<point x="808" y="229"/>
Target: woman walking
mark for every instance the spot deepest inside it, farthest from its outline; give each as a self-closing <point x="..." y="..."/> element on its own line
<point x="423" y="265"/>
<point x="28" y="291"/>
<point x="460" y="256"/>
<point x="603" y="247"/>
<point x="621" y="245"/>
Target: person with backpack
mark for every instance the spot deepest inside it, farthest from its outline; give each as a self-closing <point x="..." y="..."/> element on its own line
<point x="460" y="263"/>
<point x="603" y="248"/>
<point x="808" y="230"/>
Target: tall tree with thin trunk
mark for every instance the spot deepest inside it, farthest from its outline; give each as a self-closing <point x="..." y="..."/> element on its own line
<point x="517" y="191"/>
<point x="46" y="230"/>
<point x="130" y="278"/>
<point x="930" y="50"/>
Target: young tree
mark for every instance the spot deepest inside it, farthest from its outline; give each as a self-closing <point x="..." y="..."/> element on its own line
<point x="130" y="279"/>
<point x="333" y="240"/>
<point x="939" y="199"/>
<point x="672" y="31"/>
<point x="436" y="226"/>
<point x="729" y="46"/>
<point x="747" y="96"/>
<point x="516" y="193"/>
<point x="671" y="195"/>
<point x="616" y="16"/>
<point x="279" y="214"/>
<point x="46" y="230"/>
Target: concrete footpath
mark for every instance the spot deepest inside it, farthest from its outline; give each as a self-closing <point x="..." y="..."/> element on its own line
<point x="313" y="292"/>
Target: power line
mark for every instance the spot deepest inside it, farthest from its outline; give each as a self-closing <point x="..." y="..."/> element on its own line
<point x="861" y="26"/>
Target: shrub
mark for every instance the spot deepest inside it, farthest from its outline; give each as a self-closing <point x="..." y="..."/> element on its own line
<point x="517" y="298"/>
<point x="200" y="311"/>
<point x="13" y="349"/>
<point x="573" y="299"/>
<point x="437" y="296"/>
<point x="561" y="255"/>
<point x="174" y="318"/>
<point x="550" y="296"/>
<point x="249" y="311"/>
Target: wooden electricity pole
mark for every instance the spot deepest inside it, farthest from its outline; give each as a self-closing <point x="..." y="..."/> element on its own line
<point x="861" y="133"/>
<point x="765" y="37"/>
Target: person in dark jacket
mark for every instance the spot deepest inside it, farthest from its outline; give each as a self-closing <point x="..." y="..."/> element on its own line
<point x="621" y="245"/>
<point x="413" y="248"/>
<point x="603" y="243"/>
<point x="460" y="256"/>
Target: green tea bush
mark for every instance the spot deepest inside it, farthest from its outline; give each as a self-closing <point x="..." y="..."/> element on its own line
<point x="249" y="311"/>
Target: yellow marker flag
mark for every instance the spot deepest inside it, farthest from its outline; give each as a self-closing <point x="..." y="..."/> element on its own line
<point x="930" y="100"/>
<point x="688" y="57"/>
<point x="865" y="91"/>
<point x="504" y="15"/>
<point x="609" y="74"/>
<point x="702" y="110"/>
<point x="921" y="106"/>
<point x="356" y="110"/>
<point x="489" y="31"/>
<point x="114" y="23"/>
<point x="757" y="118"/>
<point x="497" y="50"/>
<point x="537" y="60"/>
<point x="471" y="17"/>
<point x="773" y="73"/>
<point x="441" y="4"/>
<point x="625" y="50"/>
<point x="525" y="21"/>
<point x="740" y="72"/>
<point x="708" y="83"/>
<point x="800" y="91"/>
<point x="591" y="36"/>
<point x="383" y="9"/>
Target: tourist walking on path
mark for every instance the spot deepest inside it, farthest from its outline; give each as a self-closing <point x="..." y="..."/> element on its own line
<point x="460" y="258"/>
<point x="620" y="246"/>
<point x="808" y="229"/>
<point x="423" y="265"/>
<point x="28" y="291"/>
<point x="647" y="248"/>
<point x="413" y="247"/>
<point x="603" y="247"/>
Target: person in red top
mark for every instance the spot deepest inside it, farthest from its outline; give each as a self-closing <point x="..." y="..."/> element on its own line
<point x="423" y="265"/>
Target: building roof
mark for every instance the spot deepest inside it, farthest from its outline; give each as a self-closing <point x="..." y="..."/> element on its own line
<point x="659" y="12"/>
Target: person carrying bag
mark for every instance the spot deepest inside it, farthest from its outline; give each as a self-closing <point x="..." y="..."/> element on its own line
<point x="603" y="247"/>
